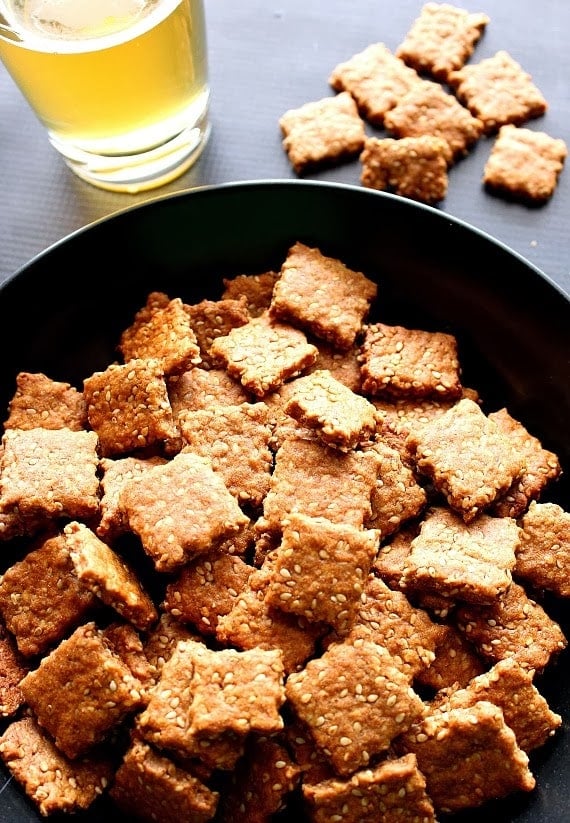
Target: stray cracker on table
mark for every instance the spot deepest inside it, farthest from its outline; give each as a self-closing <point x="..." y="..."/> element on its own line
<point x="406" y="93"/>
<point x="302" y="570"/>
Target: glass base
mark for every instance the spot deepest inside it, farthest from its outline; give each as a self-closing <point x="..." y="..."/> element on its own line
<point x="132" y="173"/>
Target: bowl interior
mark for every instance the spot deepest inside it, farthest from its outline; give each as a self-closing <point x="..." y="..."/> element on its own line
<point x="62" y="314"/>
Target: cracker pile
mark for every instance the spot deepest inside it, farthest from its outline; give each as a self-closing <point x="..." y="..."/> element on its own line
<point x="276" y="556"/>
<point x="434" y="106"/>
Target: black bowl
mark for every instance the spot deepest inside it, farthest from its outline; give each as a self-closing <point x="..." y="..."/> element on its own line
<point x="63" y="312"/>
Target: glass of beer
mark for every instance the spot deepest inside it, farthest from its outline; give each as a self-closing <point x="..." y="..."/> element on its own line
<point x="120" y="85"/>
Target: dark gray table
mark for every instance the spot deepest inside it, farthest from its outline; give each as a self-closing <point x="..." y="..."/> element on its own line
<point x="267" y="57"/>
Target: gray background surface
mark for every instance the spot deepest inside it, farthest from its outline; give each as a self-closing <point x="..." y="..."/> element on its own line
<point x="266" y="57"/>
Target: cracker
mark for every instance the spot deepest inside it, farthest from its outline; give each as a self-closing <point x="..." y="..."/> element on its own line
<point x="256" y="288"/>
<point x="401" y="362"/>
<point x="414" y="167"/>
<point x="340" y="417"/>
<point x="376" y="78"/>
<point x="320" y="570"/>
<point x="397" y="496"/>
<point x="42" y="403"/>
<point x="128" y="406"/>
<point x="50" y="474"/>
<point x="322" y="295"/>
<point x="161" y="641"/>
<point x="12" y="669"/>
<point x="201" y="388"/>
<point x="387" y="618"/>
<point x="468" y="756"/>
<point x="343" y="365"/>
<point x="456" y="662"/>
<point x="253" y="623"/>
<point x="427" y="109"/>
<point x="441" y="39"/>
<point x="263" y="353"/>
<point x="543" y="557"/>
<point x="322" y="132"/>
<point x="52" y="781"/>
<point x="180" y="510"/>
<point x="355" y="701"/>
<point x="318" y="481"/>
<point x="497" y="91"/>
<point x="41" y="599"/>
<point x="206" y="589"/>
<point x="524" y="164"/>
<point x="541" y="467"/>
<point x="392" y="790"/>
<point x="464" y="561"/>
<point x="161" y="330"/>
<point x="261" y="783"/>
<point x="509" y="686"/>
<point x="115" y="473"/>
<point x="81" y="691"/>
<point x="206" y="701"/>
<point x="514" y="626"/>
<point x="150" y="785"/>
<point x="467" y="457"/>
<point x="102" y="571"/>
<point x="215" y="318"/>
<point x="236" y="439"/>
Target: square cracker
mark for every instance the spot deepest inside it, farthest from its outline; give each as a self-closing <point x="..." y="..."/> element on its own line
<point x="263" y="354"/>
<point x="48" y="474"/>
<point x="256" y="288"/>
<point x="162" y="330"/>
<point x="322" y="132"/>
<point x="441" y="39"/>
<point x="180" y="510"/>
<point x="12" y="669"/>
<point x="393" y="790"/>
<point x="467" y="457"/>
<point x="215" y="696"/>
<point x="102" y="571"/>
<point x="115" y="473"/>
<point x="355" y="701"/>
<point x="205" y="589"/>
<point x="252" y="622"/>
<point x="468" y="756"/>
<point x="524" y="164"/>
<point x="414" y="167"/>
<point x="52" y="781"/>
<point x="498" y="91"/>
<point x="543" y="557"/>
<point x="40" y="402"/>
<point x="261" y="783"/>
<point x="171" y="793"/>
<point x="396" y="496"/>
<point x="128" y="406"/>
<point x="464" y="561"/>
<point x="400" y="362"/>
<point x="541" y="467"/>
<point x="510" y="687"/>
<point x="340" y="417"/>
<point x="428" y="109"/>
<point x="214" y="318"/>
<point x="376" y="78"/>
<point x="203" y="388"/>
<point x="318" y="481"/>
<point x="77" y="708"/>
<point x="41" y="599"/>
<point x="388" y="618"/>
<point x="322" y="295"/>
<point x="320" y="570"/>
<point x="514" y="626"/>
<point x="236" y="440"/>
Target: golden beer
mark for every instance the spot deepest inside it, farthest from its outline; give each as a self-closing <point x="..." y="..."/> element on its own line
<point x="120" y="85"/>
